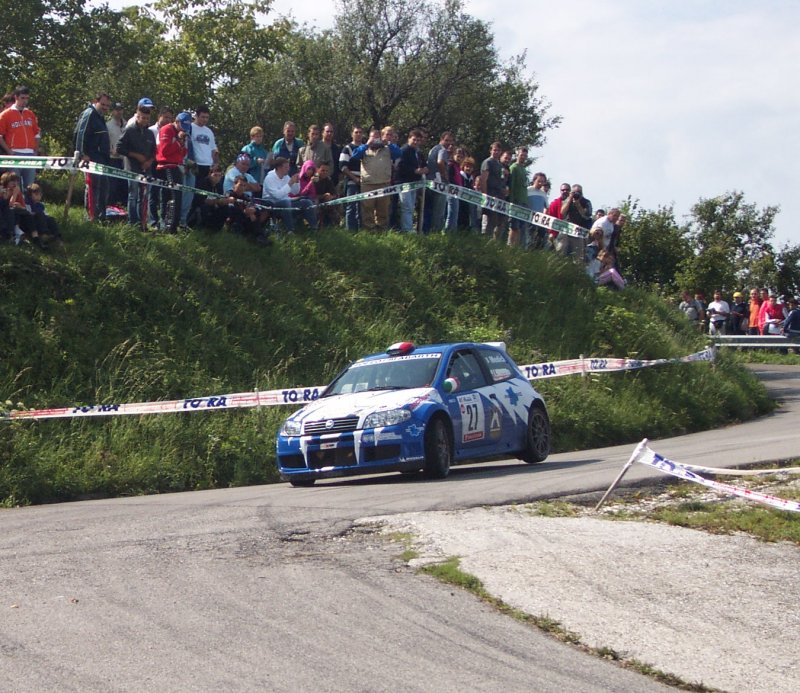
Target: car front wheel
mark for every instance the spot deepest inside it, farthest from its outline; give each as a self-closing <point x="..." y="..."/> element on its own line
<point x="302" y="483"/>
<point x="538" y="442"/>
<point x="438" y="449"/>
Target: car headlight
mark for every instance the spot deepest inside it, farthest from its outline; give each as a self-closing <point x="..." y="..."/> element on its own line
<point x="392" y="417"/>
<point x="291" y="428"/>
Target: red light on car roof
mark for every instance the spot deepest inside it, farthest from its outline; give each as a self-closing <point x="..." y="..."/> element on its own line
<point x="400" y="349"/>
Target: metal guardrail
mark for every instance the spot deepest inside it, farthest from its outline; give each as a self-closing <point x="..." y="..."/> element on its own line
<point x="755" y="341"/>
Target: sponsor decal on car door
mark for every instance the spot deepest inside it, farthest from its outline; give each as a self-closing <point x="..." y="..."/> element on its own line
<point x="473" y="419"/>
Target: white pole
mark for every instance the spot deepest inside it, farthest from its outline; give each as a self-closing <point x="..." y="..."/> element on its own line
<point x="638" y="451"/>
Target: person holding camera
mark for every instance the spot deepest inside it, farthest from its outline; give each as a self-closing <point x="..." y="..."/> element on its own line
<point x="576" y="209"/>
<point x="170" y="155"/>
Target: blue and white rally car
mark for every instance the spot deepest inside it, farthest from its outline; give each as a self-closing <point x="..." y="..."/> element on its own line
<point x="416" y="408"/>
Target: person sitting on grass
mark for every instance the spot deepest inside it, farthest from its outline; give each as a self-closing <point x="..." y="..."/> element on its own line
<point x="308" y="178"/>
<point x="24" y="229"/>
<point x="46" y="226"/>
<point x="608" y="273"/>
<point x="6" y="216"/>
<point x="279" y="186"/>
<point x="326" y="192"/>
<point x="243" y="214"/>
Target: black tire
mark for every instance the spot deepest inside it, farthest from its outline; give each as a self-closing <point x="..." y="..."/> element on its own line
<point x="302" y="483"/>
<point x="538" y="439"/>
<point x="438" y="449"/>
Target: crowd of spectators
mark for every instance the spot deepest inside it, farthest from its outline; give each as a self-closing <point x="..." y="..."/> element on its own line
<point x="281" y="187"/>
<point x="766" y="313"/>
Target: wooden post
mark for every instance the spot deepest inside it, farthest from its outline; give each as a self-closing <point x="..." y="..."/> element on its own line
<point x="421" y="212"/>
<point x="76" y="159"/>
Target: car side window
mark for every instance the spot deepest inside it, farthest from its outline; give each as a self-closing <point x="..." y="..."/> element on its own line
<point x="497" y="364"/>
<point x="465" y="368"/>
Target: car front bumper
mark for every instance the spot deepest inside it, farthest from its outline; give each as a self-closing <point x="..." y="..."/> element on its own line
<point x="392" y="448"/>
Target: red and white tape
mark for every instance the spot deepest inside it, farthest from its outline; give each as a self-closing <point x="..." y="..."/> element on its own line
<point x="303" y="395"/>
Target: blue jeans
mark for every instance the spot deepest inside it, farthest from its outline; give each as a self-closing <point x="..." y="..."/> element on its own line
<point x="287" y="215"/>
<point x="352" y="213"/>
<point x="187" y="198"/>
<point x="135" y="199"/>
<point x="408" y="201"/>
<point x="451" y="223"/>
<point x="26" y="175"/>
<point x="438" y="203"/>
<point x="117" y="187"/>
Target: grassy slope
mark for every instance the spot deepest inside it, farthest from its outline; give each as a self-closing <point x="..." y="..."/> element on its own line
<point x="125" y="317"/>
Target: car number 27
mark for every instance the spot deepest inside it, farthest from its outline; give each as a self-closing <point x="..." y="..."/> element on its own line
<point x="472" y="420"/>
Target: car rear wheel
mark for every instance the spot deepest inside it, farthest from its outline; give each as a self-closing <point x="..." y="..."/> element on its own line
<point x="438" y="449"/>
<point x="302" y="482"/>
<point x="538" y="443"/>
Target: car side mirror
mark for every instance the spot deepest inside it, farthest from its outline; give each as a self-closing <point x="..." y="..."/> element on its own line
<point x="450" y="385"/>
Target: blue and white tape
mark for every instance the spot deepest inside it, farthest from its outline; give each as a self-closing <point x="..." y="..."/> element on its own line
<point x="644" y="455"/>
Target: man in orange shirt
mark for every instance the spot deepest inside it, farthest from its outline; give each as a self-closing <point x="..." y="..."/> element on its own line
<point x="755" y="307"/>
<point x="19" y="132"/>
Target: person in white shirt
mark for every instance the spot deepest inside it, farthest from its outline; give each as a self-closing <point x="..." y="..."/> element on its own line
<point x="279" y="191"/>
<point x="117" y="187"/>
<point x="203" y="154"/>
<point x="537" y="201"/>
<point x="718" y="312"/>
<point x="606" y="225"/>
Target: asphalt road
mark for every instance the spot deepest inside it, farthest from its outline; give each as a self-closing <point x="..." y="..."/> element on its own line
<point x="273" y="588"/>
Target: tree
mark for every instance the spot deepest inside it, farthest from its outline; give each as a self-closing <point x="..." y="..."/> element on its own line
<point x="56" y="47"/>
<point x="731" y="245"/>
<point x="431" y="65"/>
<point x="179" y="53"/>
<point x="652" y="247"/>
<point x="788" y="270"/>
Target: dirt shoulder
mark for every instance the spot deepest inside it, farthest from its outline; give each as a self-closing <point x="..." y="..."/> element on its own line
<point x="710" y="609"/>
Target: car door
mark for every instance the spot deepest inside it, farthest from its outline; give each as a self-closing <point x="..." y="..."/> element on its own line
<point x="471" y="410"/>
<point x="511" y="401"/>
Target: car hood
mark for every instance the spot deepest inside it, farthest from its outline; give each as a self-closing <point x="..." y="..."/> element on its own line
<point x="362" y="404"/>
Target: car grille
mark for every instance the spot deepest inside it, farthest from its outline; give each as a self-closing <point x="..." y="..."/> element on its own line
<point x="291" y="462"/>
<point x="381" y="452"/>
<point x="340" y="425"/>
<point x="338" y="457"/>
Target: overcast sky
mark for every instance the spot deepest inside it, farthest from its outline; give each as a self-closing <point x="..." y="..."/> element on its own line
<point x="666" y="101"/>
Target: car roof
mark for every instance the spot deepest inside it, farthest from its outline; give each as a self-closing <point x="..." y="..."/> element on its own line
<point x="445" y="347"/>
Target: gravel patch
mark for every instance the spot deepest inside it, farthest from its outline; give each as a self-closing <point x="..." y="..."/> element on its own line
<point x="717" y="610"/>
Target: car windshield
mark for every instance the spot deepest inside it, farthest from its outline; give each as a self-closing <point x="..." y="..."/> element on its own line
<point x="390" y="373"/>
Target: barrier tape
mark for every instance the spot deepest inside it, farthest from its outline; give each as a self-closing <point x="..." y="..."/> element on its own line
<point x="472" y="197"/>
<point x="240" y="400"/>
<point x="646" y="456"/>
<point x="303" y="395"/>
<point x="555" y="369"/>
<point x="509" y="209"/>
